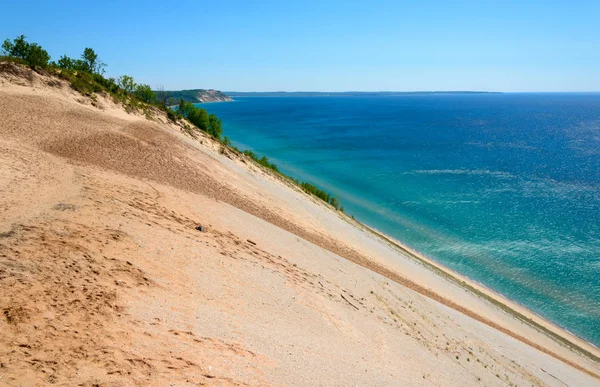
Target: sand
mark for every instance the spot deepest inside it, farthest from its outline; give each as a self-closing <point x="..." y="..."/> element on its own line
<point x="104" y="279"/>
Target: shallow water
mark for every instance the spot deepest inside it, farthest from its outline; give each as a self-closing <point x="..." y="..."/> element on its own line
<point x="503" y="188"/>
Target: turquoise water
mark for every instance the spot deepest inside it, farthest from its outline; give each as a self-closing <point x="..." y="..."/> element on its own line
<point x="503" y="188"/>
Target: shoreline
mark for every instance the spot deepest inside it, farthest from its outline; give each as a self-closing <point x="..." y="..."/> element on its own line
<point x="513" y="307"/>
<point x="277" y="281"/>
<point x="543" y="324"/>
<point x="553" y="331"/>
<point x="520" y="313"/>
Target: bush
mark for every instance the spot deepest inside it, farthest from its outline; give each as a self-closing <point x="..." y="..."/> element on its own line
<point x="250" y="154"/>
<point x="264" y="161"/>
<point x="81" y="81"/>
<point x="89" y="58"/>
<point x="71" y="64"/>
<point x="200" y="118"/>
<point x="32" y="53"/>
<point x="307" y="187"/>
<point x="12" y="59"/>
<point x="335" y="202"/>
<point x="18" y="48"/>
<point x="145" y="93"/>
<point x="171" y="115"/>
<point x="214" y="126"/>
<point x="126" y="83"/>
<point x="108" y="83"/>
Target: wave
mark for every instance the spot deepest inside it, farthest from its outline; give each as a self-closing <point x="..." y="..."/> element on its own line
<point x="511" y="145"/>
<point x="476" y="172"/>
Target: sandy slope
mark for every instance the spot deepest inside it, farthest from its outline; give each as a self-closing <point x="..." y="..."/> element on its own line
<point x="105" y="280"/>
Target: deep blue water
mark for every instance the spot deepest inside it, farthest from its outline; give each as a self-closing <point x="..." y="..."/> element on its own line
<point x="504" y="188"/>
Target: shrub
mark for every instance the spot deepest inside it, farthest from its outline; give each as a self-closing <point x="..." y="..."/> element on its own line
<point x="264" y="161"/>
<point x="145" y="93"/>
<point x="127" y="83"/>
<point x="199" y="117"/>
<point x="32" y="53"/>
<point x="214" y="126"/>
<point x="171" y="115"/>
<point x="12" y="59"/>
<point x="72" y="64"/>
<point x="18" y="48"/>
<point x="81" y="81"/>
<point x="108" y="83"/>
<point x="250" y="154"/>
<point x="307" y="187"/>
<point x="37" y="56"/>
<point x="335" y="202"/>
<point x="90" y="61"/>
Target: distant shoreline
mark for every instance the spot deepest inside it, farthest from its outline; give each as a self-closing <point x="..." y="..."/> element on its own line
<point x="346" y="93"/>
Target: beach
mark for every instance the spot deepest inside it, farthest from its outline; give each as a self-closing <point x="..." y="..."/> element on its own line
<point x="107" y="280"/>
<point x="502" y="188"/>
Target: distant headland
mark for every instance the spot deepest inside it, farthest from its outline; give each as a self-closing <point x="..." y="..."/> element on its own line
<point x="198" y="95"/>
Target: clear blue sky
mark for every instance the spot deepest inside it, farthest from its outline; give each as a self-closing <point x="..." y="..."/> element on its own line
<point x="525" y="45"/>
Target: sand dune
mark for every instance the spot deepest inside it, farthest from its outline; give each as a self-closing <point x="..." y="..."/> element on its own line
<point x="105" y="280"/>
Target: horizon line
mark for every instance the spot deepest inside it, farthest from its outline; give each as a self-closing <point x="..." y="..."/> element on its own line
<point x="409" y="92"/>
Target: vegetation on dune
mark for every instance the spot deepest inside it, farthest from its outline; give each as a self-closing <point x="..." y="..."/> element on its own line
<point x="86" y="75"/>
<point x="186" y="95"/>
<point x="312" y="189"/>
<point x="31" y="53"/>
<point x="306" y="187"/>
<point x="264" y="161"/>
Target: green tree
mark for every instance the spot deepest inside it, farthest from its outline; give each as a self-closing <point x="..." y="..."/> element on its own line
<point x="185" y="108"/>
<point x="17" y="48"/>
<point x="65" y="62"/>
<point x="335" y="202"/>
<point x="91" y="62"/>
<point x="127" y="83"/>
<point x="72" y="64"/>
<point x="37" y="56"/>
<point x="90" y="58"/>
<point x="214" y="126"/>
<point x="145" y="93"/>
<point x="199" y="117"/>
<point x="32" y="53"/>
